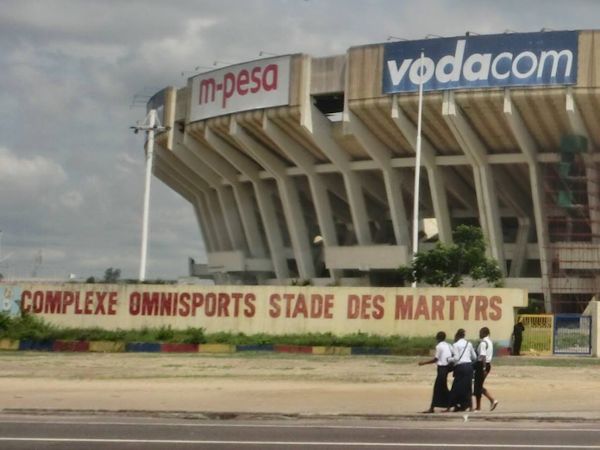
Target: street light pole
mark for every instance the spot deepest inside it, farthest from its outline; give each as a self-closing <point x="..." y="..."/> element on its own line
<point x="151" y="126"/>
<point x="415" y="243"/>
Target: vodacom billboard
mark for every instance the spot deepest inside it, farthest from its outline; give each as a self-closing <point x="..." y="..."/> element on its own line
<point x="258" y="84"/>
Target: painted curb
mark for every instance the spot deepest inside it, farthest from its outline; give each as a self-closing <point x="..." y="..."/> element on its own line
<point x="173" y="347"/>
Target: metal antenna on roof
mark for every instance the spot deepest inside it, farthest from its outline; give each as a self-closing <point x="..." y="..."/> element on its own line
<point x="195" y="69"/>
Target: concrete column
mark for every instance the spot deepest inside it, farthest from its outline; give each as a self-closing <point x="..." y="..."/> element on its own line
<point x="319" y="129"/>
<point x="528" y="147"/>
<point x="476" y="153"/>
<point x="289" y="198"/>
<point x="202" y="189"/>
<point x="226" y="199"/>
<point x="241" y="193"/>
<point x="206" y="229"/>
<point x="318" y="189"/>
<point x="265" y="204"/>
<point x="593" y="179"/>
<point x="393" y="186"/>
<point x="435" y="176"/>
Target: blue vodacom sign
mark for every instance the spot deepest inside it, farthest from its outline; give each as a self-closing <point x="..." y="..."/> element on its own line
<point x="519" y="59"/>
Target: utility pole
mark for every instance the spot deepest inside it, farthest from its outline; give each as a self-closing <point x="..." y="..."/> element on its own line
<point x="415" y="230"/>
<point x="150" y="125"/>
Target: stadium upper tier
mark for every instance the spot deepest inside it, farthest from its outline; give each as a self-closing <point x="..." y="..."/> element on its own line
<point x="302" y="169"/>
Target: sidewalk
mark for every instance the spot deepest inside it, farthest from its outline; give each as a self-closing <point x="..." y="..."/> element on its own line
<point x="229" y="386"/>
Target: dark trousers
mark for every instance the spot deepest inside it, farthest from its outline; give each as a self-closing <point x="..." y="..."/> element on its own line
<point x="480" y="373"/>
<point x="517" y="345"/>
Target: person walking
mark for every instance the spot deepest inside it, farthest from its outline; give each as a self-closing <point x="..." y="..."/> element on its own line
<point x="463" y="355"/>
<point x="443" y="352"/>
<point x="483" y="367"/>
<point x="517" y="336"/>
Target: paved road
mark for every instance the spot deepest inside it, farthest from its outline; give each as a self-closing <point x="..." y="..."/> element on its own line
<point x="126" y="432"/>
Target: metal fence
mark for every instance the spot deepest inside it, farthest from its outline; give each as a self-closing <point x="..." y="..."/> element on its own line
<point x="560" y="334"/>
<point x="572" y="334"/>
<point x="538" y="334"/>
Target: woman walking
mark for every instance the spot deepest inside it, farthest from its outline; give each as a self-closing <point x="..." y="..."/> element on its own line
<point x="443" y="352"/>
<point x="463" y="355"/>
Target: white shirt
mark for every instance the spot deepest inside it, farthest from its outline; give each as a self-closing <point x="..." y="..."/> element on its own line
<point x="486" y="349"/>
<point x="460" y="354"/>
<point x="443" y="352"/>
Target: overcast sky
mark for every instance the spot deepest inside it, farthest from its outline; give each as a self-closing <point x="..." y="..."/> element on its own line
<point x="71" y="171"/>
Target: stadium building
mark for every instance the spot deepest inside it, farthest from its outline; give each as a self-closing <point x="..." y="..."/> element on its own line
<point x="301" y="169"/>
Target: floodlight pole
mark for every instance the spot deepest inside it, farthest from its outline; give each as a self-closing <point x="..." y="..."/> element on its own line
<point x="415" y="244"/>
<point x="150" y="126"/>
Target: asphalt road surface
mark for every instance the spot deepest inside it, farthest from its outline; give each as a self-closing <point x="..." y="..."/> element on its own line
<point x="125" y="432"/>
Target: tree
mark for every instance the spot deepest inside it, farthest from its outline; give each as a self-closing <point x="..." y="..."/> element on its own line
<point x="448" y="264"/>
<point x="112" y="275"/>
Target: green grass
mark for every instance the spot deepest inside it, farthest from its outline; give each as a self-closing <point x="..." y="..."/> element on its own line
<point x="28" y="327"/>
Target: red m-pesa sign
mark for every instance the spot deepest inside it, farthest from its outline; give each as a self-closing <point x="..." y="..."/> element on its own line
<point x="259" y="84"/>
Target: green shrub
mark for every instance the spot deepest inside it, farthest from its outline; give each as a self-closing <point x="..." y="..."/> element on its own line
<point x="34" y="328"/>
<point x="5" y="321"/>
<point x="193" y="336"/>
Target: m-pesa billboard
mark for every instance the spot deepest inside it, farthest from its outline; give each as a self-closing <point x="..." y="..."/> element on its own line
<point x="259" y="84"/>
<point x="502" y="60"/>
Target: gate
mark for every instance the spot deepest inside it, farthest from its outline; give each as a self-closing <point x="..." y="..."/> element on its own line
<point x="572" y="334"/>
<point x="537" y="337"/>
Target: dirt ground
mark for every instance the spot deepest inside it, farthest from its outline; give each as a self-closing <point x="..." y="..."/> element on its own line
<point x="276" y="383"/>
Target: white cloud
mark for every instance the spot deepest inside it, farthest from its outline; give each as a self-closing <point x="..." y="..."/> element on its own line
<point x="28" y="174"/>
<point x="71" y="199"/>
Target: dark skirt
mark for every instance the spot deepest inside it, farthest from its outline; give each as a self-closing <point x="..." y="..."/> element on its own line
<point x="460" y="394"/>
<point x="441" y="394"/>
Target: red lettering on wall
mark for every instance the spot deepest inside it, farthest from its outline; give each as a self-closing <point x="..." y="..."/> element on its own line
<point x="353" y="306"/>
<point x="495" y="307"/>
<point x="112" y="303"/>
<point x="250" y="308"/>
<point x="422" y="308"/>
<point x="68" y="300"/>
<point x="327" y="313"/>
<point x="466" y="304"/>
<point x="25" y="299"/>
<point x="365" y="306"/>
<point x="451" y="299"/>
<point x="135" y="303"/>
<point x="88" y="301"/>
<point x="184" y="304"/>
<point x="378" y="311"/>
<point x="150" y="303"/>
<point x="404" y="307"/>
<point x="53" y="302"/>
<point x="197" y="302"/>
<point x="275" y="309"/>
<point x="481" y="305"/>
<point x="300" y="307"/>
<point x="437" y="307"/>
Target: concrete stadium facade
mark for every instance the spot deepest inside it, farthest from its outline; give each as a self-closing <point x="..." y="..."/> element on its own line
<point x="301" y="169"/>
